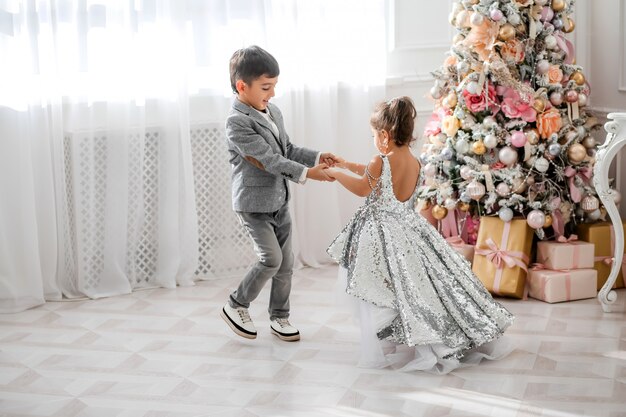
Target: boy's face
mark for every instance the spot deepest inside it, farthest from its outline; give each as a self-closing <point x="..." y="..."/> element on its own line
<point x="258" y="93"/>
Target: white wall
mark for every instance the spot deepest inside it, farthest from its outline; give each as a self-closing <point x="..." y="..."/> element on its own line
<point x="420" y="35"/>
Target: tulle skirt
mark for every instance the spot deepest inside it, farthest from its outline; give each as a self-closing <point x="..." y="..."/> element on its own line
<point x="431" y="358"/>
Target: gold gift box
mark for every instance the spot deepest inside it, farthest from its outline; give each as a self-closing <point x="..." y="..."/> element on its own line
<point x="600" y="235"/>
<point x="507" y="281"/>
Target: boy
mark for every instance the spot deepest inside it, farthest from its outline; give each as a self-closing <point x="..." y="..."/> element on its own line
<point x="262" y="160"/>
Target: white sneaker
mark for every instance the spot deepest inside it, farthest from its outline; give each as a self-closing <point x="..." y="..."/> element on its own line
<point x="239" y="321"/>
<point x="285" y="331"/>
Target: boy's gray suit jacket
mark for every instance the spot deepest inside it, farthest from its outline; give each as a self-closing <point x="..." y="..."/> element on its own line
<point x="249" y="135"/>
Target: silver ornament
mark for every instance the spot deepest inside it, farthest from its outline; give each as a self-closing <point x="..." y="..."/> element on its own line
<point x="554" y="149"/>
<point x="505" y="214"/>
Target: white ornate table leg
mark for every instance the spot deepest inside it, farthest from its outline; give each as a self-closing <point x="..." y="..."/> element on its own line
<point x="615" y="140"/>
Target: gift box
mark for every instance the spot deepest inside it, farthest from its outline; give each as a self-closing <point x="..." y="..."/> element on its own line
<point x="461" y="247"/>
<point x="501" y="255"/>
<point x="573" y="254"/>
<point x="602" y="236"/>
<point x="428" y="216"/>
<point x="557" y="286"/>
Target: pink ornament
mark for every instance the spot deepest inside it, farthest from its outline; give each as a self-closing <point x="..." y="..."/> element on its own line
<point x="466" y="172"/>
<point x="571" y="96"/>
<point x="496" y="15"/>
<point x="556" y="98"/>
<point x="503" y="189"/>
<point x="518" y="139"/>
<point x="430" y="170"/>
<point x="543" y="66"/>
<point x="547" y="14"/>
<point x="536" y="219"/>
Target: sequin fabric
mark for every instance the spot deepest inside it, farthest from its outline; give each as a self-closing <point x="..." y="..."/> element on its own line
<point x="395" y="259"/>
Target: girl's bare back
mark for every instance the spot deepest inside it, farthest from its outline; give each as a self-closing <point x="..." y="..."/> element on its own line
<point x="405" y="170"/>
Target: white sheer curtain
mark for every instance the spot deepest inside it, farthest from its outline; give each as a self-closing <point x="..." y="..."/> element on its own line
<point x="97" y="99"/>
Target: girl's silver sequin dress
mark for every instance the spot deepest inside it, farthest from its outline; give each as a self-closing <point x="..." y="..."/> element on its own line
<point x="423" y="306"/>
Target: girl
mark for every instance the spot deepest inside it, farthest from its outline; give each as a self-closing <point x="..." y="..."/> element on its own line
<point x="421" y="306"/>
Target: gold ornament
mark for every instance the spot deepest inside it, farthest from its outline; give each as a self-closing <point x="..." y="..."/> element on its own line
<point x="548" y="221"/>
<point x="464" y="206"/>
<point x="450" y="101"/>
<point x="426" y="204"/>
<point x="439" y="212"/>
<point x="518" y="185"/>
<point x="507" y="31"/>
<point x="589" y="142"/>
<point x="569" y="25"/>
<point x="577" y="77"/>
<point x="532" y="135"/>
<point x="576" y="153"/>
<point x="558" y="5"/>
<point x="479" y="147"/>
<point x="539" y="104"/>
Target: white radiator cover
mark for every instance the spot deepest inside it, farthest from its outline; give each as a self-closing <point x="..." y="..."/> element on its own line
<point x="224" y="247"/>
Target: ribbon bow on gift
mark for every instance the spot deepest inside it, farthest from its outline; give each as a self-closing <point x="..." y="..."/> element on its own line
<point x="455" y="241"/>
<point x="498" y="256"/>
<point x="571" y="174"/>
<point x="563" y="239"/>
<point x="609" y="260"/>
<point x="541" y="267"/>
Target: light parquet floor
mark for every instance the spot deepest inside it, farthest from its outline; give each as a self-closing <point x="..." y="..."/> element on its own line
<point x="161" y="352"/>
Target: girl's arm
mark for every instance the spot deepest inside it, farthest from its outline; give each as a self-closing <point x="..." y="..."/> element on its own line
<point x="358" y="169"/>
<point x="365" y="183"/>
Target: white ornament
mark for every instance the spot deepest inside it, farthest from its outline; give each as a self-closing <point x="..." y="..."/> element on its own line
<point x="450" y="203"/>
<point x="489" y="121"/>
<point x="461" y="146"/>
<point x="490" y="141"/>
<point x="466" y="172"/>
<point x="550" y="42"/>
<point x="594" y="215"/>
<point x="472" y="87"/>
<point x="542" y="164"/>
<point x="507" y="155"/>
<point x="476" y="19"/>
<point x="505" y="214"/>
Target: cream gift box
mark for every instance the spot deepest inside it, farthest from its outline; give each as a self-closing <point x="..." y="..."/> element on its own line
<point x="556" y="286"/>
<point x="566" y="255"/>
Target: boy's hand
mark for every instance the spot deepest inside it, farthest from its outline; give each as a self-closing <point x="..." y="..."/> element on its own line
<point x="330" y="159"/>
<point x="318" y="173"/>
<point x="331" y="172"/>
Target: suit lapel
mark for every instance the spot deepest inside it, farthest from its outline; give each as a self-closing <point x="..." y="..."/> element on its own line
<point x="244" y="108"/>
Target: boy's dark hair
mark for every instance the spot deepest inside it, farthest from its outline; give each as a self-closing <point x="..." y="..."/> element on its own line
<point x="250" y="63"/>
<point x="396" y="116"/>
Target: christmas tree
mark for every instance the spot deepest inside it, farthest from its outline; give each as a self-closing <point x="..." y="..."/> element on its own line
<point x="509" y="135"/>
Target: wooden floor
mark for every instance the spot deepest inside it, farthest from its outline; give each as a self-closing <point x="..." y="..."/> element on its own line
<point x="164" y="352"/>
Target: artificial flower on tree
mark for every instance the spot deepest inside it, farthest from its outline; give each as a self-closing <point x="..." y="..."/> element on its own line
<point x="509" y="134"/>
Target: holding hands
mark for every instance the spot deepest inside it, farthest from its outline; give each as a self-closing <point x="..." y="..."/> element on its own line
<point x="320" y="172"/>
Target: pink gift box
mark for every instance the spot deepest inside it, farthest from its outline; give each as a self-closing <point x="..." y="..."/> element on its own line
<point x="466" y="250"/>
<point x="461" y="247"/>
<point x="556" y="286"/>
<point x="566" y="255"/>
